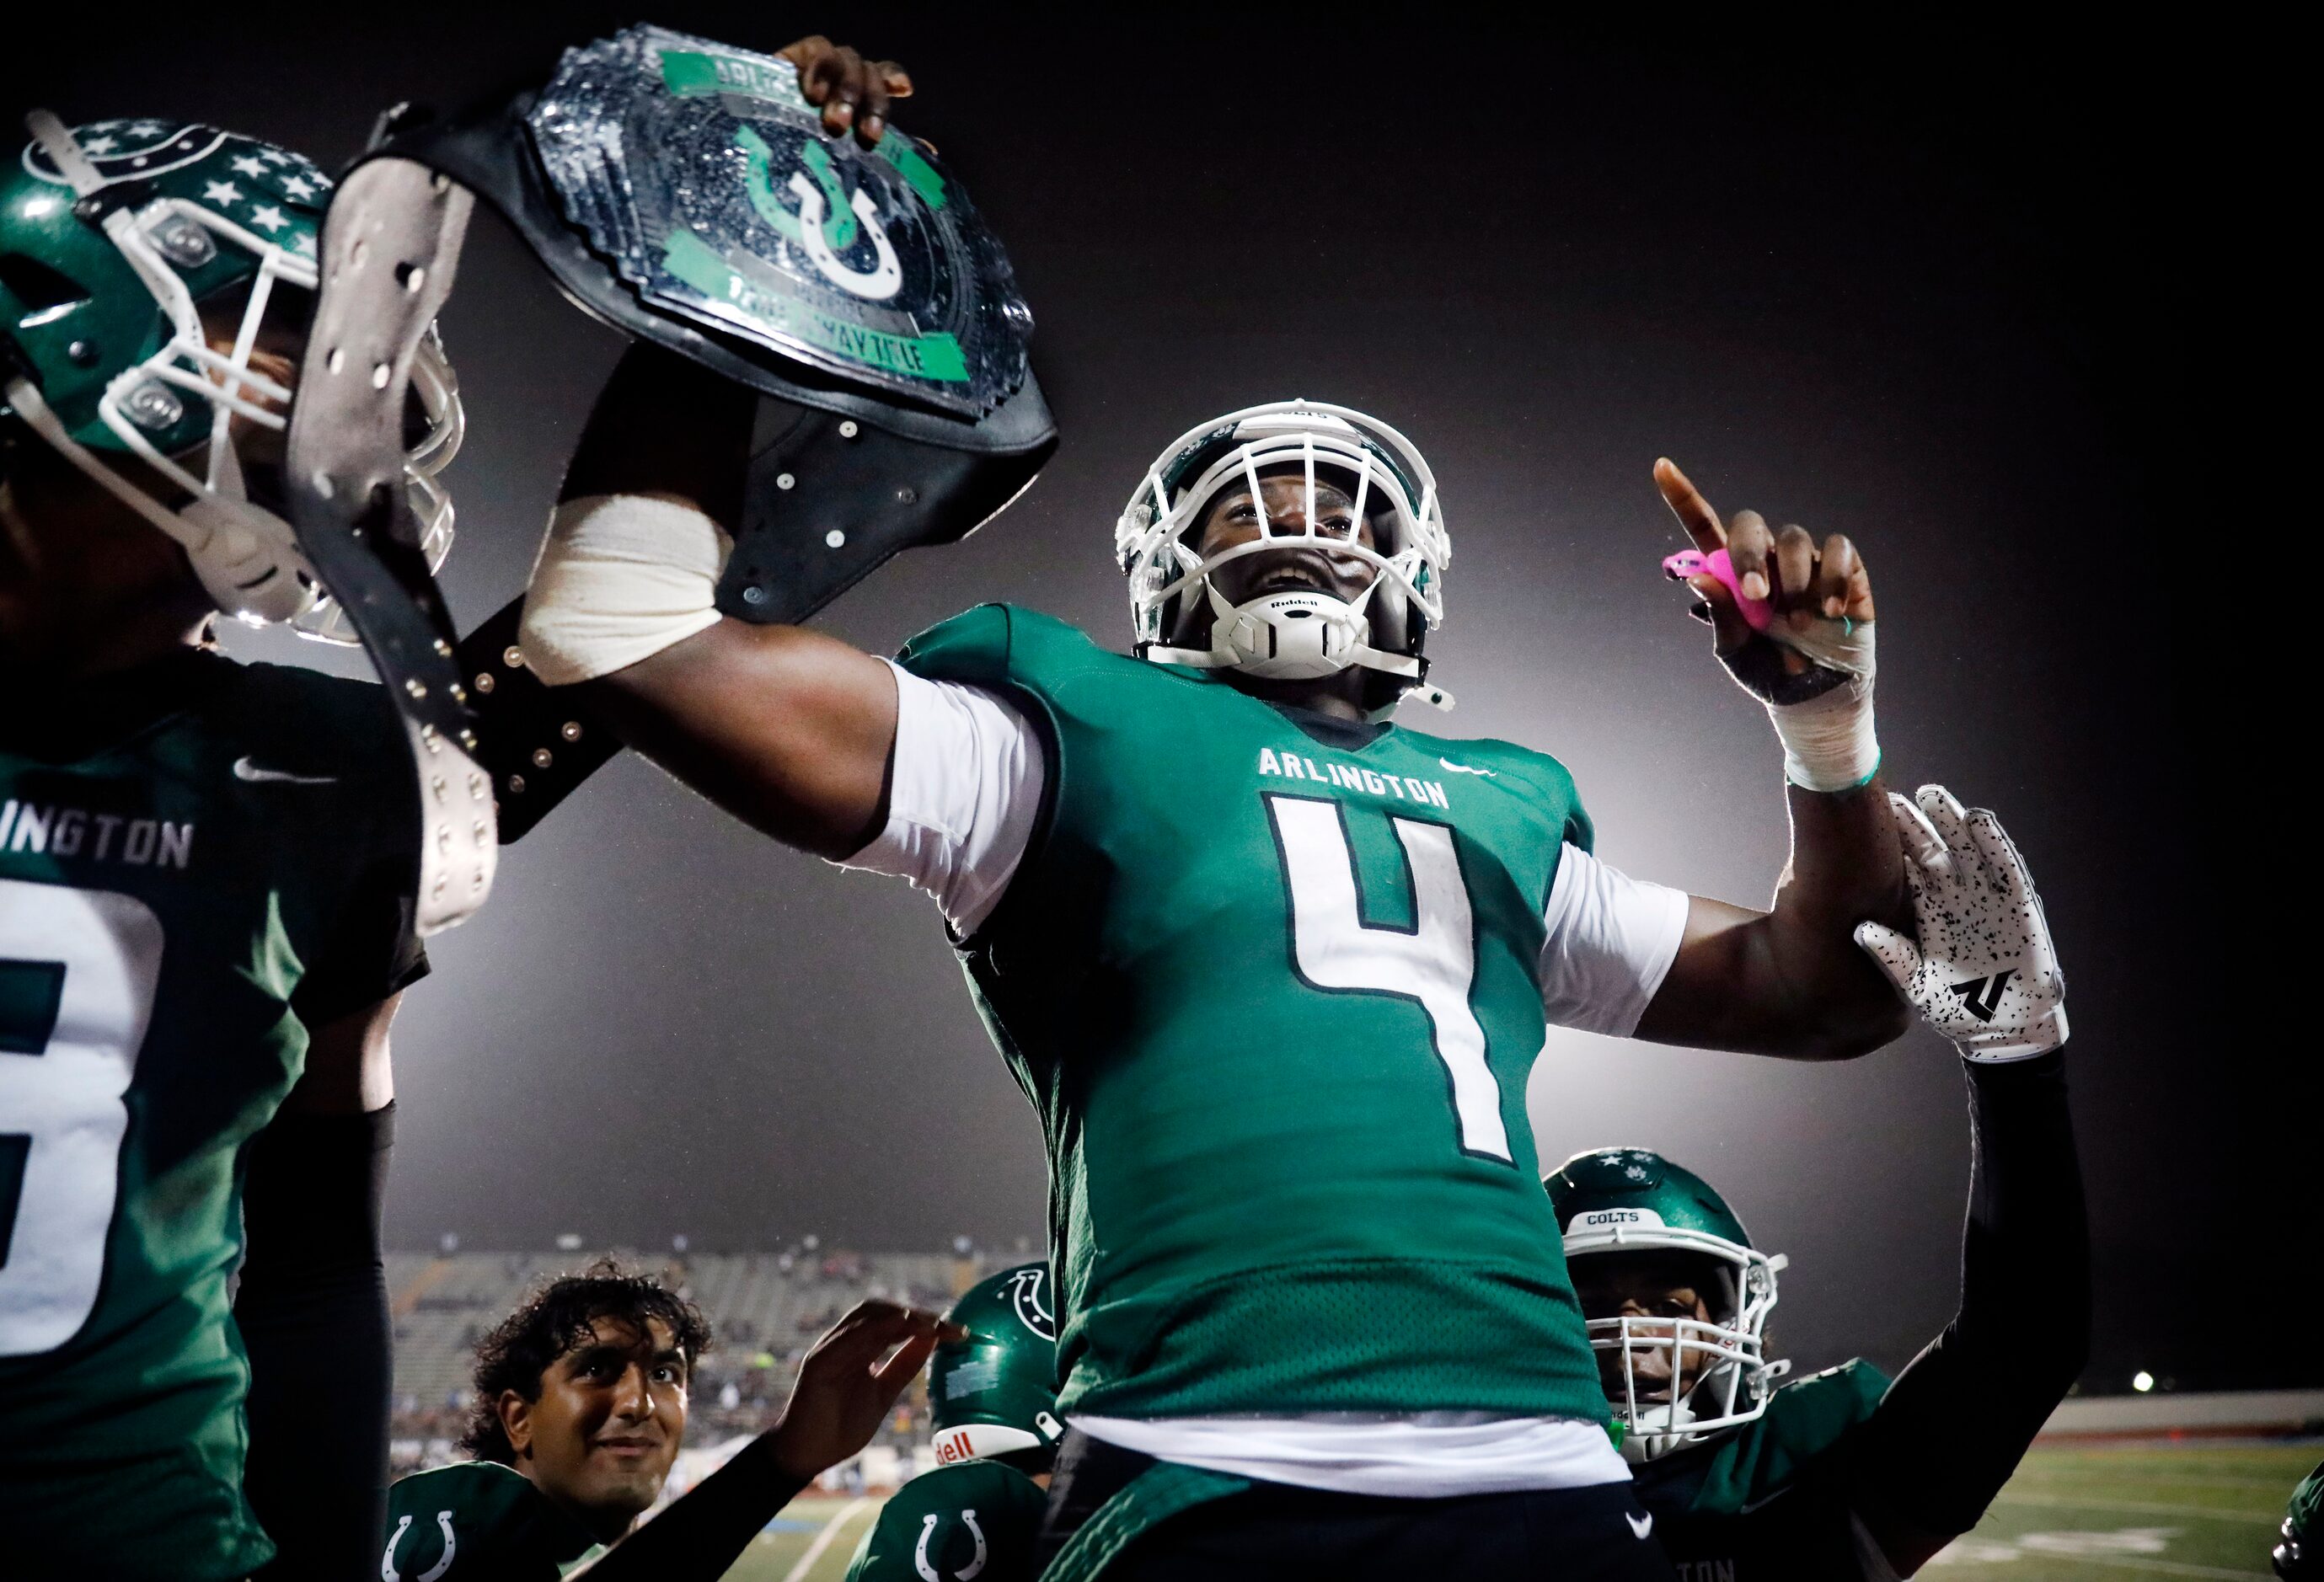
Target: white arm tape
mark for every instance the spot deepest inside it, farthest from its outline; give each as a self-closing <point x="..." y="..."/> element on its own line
<point x="1827" y="740"/>
<point x="1612" y="941"/>
<point x="962" y="799"/>
<point x="621" y="577"/>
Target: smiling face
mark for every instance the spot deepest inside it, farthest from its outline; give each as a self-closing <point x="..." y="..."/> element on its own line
<point x="1644" y="1288"/>
<point x="609" y="1422"/>
<point x="1232" y="519"/>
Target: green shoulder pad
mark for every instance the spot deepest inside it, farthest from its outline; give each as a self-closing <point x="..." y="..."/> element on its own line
<point x="973" y="1519"/>
<point x="1550" y="781"/>
<point x="997" y="643"/>
<point x="477" y="1520"/>
<point x="973" y="646"/>
<point x="2307" y="1500"/>
<point x="1805" y="1419"/>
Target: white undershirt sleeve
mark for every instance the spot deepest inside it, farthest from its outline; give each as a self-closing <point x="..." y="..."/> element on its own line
<point x="961" y="798"/>
<point x="1612" y="940"/>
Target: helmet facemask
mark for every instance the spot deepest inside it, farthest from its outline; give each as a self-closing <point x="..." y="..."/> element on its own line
<point x="1677" y="1380"/>
<point x="1295" y="634"/>
<point x="176" y="409"/>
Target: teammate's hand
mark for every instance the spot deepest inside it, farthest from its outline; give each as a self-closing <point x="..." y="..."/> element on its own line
<point x="852" y="91"/>
<point x="1821" y="596"/>
<point x="1984" y="973"/>
<point x="850" y="1380"/>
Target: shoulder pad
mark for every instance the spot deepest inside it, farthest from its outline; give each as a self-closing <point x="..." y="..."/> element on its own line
<point x="306" y="719"/>
<point x="996" y="643"/>
<point x="475" y="1519"/>
<point x="1805" y="1419"/>
<point x="953" y="1523"/>
<point x="1848" y="1392"/>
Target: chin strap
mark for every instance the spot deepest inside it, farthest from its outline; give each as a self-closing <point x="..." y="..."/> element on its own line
<point x="239" y="551"/>
<point x="1363" y="654"/>
<point x="236" y="565"/>
<point x="1295" y="635"/>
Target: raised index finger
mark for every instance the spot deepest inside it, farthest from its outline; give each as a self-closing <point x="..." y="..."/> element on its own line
<point x="1687" y="503"/>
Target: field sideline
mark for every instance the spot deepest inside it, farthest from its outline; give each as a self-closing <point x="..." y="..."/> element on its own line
<point x="2073" y="1514"/>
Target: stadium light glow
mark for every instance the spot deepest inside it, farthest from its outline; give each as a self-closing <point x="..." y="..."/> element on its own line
<point x="2142" y="1381"/>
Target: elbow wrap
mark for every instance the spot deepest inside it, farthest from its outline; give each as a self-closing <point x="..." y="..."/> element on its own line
<point x="621" y="577"/>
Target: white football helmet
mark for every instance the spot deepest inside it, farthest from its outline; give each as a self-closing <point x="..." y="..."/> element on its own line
<point x="1290" y="635"/>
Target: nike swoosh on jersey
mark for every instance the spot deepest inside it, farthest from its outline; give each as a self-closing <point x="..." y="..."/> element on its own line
<point x="1641" y="1525"/>
<point x="243" y="769"/>
<point x="1465" y="769"/>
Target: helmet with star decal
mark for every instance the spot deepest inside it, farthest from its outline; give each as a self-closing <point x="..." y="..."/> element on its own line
<point x="141" y="261"/>
<point x="1673" y="1379"/>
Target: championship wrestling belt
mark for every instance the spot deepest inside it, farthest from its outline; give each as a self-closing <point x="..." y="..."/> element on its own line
<point x="684" y="193"/>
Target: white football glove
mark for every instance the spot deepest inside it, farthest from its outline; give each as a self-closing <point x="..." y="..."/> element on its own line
<point x="1984" y="973"/>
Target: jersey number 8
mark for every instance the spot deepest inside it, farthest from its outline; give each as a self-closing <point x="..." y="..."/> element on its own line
<point x="78" y="970"/>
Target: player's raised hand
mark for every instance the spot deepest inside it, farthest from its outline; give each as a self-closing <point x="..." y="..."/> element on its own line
<point x="1788" y="620"/>
<point x="854" y="92"/>
<point x="850" y="1380"/>
<point x="1983" y="971"/>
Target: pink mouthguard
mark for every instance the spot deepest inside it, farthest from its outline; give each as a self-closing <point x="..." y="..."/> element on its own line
<point x="1688" y="563"/>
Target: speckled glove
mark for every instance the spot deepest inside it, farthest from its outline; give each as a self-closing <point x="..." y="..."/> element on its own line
<point x="1984" y="973"/>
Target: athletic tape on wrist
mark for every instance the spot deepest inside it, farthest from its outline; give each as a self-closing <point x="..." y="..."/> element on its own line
<point x="620" y="578"/>
<point x="1829" y="743"/>
<point x="1828" y="739"/>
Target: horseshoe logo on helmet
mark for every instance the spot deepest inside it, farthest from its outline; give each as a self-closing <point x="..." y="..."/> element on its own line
<point x="1028" y="1293"/>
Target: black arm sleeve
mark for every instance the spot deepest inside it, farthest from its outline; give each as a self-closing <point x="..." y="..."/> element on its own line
<point x="702" y="1534"/>
<point x="312" y="1310"/>
<point x="1952" y="1428"/>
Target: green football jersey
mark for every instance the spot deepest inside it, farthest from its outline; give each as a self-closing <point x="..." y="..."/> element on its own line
<point x="1276" y="1001"/>
<point x="197" y="860"/>
<point x="971" y="1521"/>
<point x="1767" y="1502"/>
<point x="478" y="1521"/>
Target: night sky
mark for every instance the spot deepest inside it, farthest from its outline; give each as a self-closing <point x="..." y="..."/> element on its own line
<point x="1927" y="294"/>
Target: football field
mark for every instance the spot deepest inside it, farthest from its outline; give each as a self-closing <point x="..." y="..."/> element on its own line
<point x="813" y="1539"/>
<point x="2149" y="1508"/>
<point x="2073" y="1514"/>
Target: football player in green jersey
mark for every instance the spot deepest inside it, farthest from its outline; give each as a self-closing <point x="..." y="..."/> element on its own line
<point x="992" y="1400"/>
<point x="206" y="886"/>
<point x="1845" y="1477"/>
<point x="1272" y="967"/>
<point x="580" y="1412"/>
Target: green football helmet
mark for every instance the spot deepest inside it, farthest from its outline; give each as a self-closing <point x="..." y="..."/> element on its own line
<point x="113" y="238"/>
<point x="994" y="1395"/>
<point x="1617" y="1202"/>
